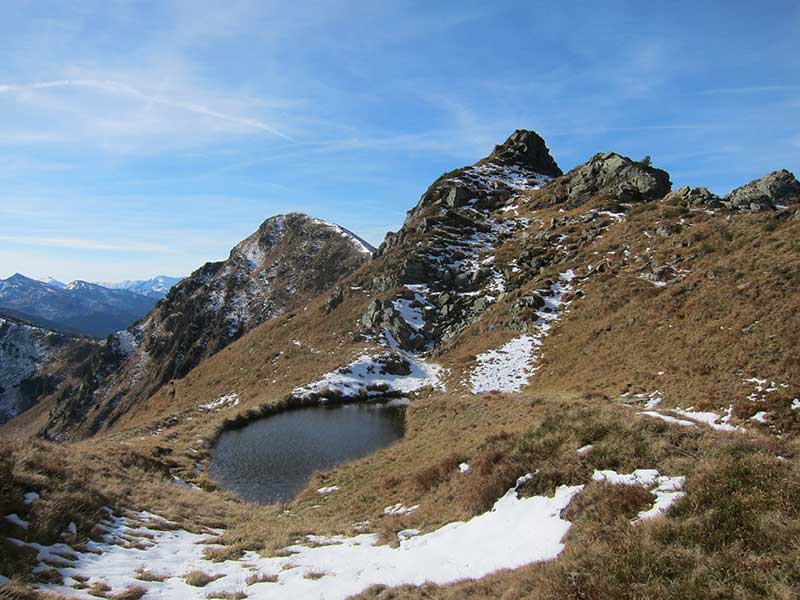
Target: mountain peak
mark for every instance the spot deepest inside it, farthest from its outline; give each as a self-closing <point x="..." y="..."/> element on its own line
<point x="52" y="281"/>
<point x="525" y="148"/>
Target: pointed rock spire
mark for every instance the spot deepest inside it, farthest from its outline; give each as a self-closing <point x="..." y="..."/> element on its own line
<point x="525" y="148"/>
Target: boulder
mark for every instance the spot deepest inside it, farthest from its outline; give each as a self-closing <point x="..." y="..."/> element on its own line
<point x="779" y="187"/>
<point x="610" y="175"/>
<point x="458" y="196"/>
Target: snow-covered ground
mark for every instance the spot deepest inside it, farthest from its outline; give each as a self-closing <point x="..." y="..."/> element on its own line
<point x="368" y="376"/>
<point x="515" y="532"/>
<point x="508" y="368"/>
<point x="691" y="416"/>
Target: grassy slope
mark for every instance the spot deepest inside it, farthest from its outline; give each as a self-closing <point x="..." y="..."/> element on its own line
<point x="731" y="537"/>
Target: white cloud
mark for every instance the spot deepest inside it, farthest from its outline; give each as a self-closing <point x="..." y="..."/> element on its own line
<point x="85" y="244"/>
<point x="120" y="88"/>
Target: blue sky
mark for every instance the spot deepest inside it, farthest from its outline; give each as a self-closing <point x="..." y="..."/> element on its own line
<point x="140" y="138"/>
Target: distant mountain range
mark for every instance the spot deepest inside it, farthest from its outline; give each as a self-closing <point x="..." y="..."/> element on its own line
<point x="157" y="287"/>
<point x="81" y="307"/>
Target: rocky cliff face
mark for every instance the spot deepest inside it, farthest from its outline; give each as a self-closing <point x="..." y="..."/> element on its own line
<point x="287" y="261"/>
<point x="24" y="348"/>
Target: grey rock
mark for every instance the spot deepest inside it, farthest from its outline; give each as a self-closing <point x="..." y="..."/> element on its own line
<point x="608" y="174"/>
<point x="525" y="148"/>
<point x="698" y="197"/>
<point x="779" y="187"/>
<point x="458" y="196"/>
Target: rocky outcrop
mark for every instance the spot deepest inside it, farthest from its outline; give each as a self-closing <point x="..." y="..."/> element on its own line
<point x="777" y="188"/>
<point x="526" y="149"/>
<point x="447" y="244"/>
<point x="610" y="175"/>
<point x="698" y="197"/>
<point x="289" y="260"/>
<point x="442" y="258"/>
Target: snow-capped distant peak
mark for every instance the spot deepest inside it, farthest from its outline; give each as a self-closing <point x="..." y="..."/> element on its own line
<point x="51" y="281"/>
<point x="157" y="287"/>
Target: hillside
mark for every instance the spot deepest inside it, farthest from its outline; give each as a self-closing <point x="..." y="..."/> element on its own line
<point x="287" y="261"/>
<point x="603" y="386"/>
<point x="81" y="307"/>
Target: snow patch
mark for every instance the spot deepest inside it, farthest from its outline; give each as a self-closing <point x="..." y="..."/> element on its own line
<point x="221" y="403"/>
<point x="17" y="520"/>
<point x="667" y="490"/>
<point x="508" y="368"/>
<point x="375" y="376"/>
<point x="667" y="418"/>
<point x="399" y="509"/>
<point x="711" y="419"/>
<point x="516" y="532"/>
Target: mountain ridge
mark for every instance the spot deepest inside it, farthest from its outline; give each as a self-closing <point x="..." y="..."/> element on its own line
<point x="79" y="306"/>
<point x="288" y="259"/>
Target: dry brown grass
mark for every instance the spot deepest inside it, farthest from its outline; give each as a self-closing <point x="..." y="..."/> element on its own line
<point x="261" y="578"/>
<point x="234" y="595"/>
<point x="132" y="593"/>
<point x="199" y="578"/>
<point x="145" y="575"/>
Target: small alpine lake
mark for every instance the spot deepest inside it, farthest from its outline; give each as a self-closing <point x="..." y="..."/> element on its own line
<point x="273" y="458"/>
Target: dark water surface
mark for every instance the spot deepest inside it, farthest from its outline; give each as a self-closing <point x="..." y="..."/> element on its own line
<point x="272" y="459"/>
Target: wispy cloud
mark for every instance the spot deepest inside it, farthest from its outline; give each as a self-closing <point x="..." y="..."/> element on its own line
<point x="85" y="244"/>
<point x="118" y="87"/>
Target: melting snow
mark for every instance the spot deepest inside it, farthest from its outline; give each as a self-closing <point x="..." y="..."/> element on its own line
<point x="328" y="490"/>
<point x="124" y="342"/>
<point x="667" y="418"/>
<point x="360" y="244"/>
<point x="508" y="368"/>
<point x="399" y="509"/>
<point x="221" y="403"/>
<point x="16" y="520"/>
<point x="517" y="531"/>
<point x="368" y="376"/>
<point x="711" y="419"/>
<point x="666" y="489"/>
